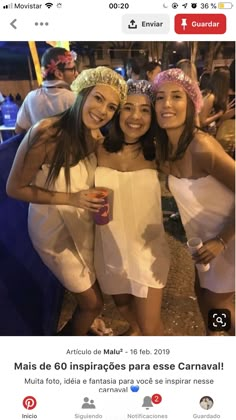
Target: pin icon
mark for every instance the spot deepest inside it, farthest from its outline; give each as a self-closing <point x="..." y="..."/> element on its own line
<point x="134" y="388"/>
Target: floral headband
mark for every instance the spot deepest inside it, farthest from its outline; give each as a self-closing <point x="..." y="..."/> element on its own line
<point x="100" y="76"/>
<point x="141" y="87"/>
<point x="68" y="57"/>
<point x="180" y="78"/>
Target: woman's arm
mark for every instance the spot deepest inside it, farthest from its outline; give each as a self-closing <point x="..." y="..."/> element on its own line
<point x="23" y="172"/>
<point x="205" y="115"/>
<point x="24" y="169"/>
<point x="213" y="160"/>
<point x="229" y="113"/>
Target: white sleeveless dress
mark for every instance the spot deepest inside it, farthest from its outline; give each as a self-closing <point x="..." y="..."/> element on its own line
<point x="131" y="252"/>
<point x="63" y="235"/>
<point x="205" y="205"/>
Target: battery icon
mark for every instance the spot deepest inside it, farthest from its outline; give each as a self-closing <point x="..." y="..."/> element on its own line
<point x="225" y="5"/>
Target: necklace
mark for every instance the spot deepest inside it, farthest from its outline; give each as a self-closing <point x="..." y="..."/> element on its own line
<point x="131" y="144"/>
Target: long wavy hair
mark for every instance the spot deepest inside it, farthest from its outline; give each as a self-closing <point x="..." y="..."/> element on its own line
<point x="114" y="141"/>
<point x="219" y="84"/>
<point x="162" y="149"/>
<point x="68" y="133"/>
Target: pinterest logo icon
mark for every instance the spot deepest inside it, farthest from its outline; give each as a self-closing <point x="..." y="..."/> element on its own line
<point x="29" y="403"/>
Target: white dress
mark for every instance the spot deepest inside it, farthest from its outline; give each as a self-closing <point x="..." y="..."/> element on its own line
<point x="205" y="205"/>
<point x="63" y="235"/>
<point x="131" y="252"/>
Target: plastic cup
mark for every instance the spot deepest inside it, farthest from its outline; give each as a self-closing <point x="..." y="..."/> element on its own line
<point x="193" y="245"/>
<point x="102" y="216"/>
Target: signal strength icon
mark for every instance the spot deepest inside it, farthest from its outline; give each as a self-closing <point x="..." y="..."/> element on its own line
<point x="49" y="5"/>
<point x="8" y="6"/>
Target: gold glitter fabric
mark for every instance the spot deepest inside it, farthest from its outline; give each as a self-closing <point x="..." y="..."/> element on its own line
<point x="141" y="87"/>
<point x="181" y="79"/>
<point x="101" y="76"/>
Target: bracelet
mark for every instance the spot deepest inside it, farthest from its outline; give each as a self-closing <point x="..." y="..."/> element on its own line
<point x="222" y="241"/>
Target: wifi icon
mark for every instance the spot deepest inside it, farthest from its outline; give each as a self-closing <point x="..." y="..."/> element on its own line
<point x="49" y="5"/>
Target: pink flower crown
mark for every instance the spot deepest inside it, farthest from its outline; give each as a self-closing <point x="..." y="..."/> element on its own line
<point x="68" y="57"/>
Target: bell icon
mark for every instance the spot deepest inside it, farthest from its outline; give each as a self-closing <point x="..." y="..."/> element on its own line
<point x="147" y="402"/>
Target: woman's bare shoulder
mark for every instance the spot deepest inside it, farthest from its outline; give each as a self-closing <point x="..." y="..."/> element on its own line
<point x="40" y="128"/>
<point x="208" y="153"/>
<point x="209" y="97"/>
<point x="37" y="143"/>
<point x="204" y="142"/>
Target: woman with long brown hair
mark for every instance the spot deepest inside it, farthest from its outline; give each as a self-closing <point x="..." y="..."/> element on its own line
<point x="54" y="171"/>
<point x="201" y="177"/>
<point x="215" y="100"/>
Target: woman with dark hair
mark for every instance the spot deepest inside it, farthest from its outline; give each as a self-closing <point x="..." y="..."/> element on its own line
<point x="225" y="133"/>
<point x="201" y="179"/>
<point x="135" y="68"/>
<point x="215" y="100"/>
<point x="230" y="113"/>
<point x="54" y="171"/>
<point x="131" y="253"/>
<point x="152" y="68"/>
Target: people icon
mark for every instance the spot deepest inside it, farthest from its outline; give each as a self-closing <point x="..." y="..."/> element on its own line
<point x="92" y="404"/>
<point x="87" y="403"/>
<point x="206" y="403"/>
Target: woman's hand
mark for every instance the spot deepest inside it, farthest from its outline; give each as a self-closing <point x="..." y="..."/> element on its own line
<point x="208" y="251"/>
<point x="228" y="114"/>
<point x="87" y="200"/>
<point x="231" y="105"/>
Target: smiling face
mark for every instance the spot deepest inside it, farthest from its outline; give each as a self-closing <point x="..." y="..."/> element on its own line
<point x="100" y="106"/>
<point x="171" y="106"/>
<point x="135" y="117"/>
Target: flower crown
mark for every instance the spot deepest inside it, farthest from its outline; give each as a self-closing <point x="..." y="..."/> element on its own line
<point x="141" y="87"/>
<point x="68" y="57"/>
<point x="100" y="76"/>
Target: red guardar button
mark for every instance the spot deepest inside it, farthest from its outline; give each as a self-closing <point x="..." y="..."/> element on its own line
<point x="200" y="24"/>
